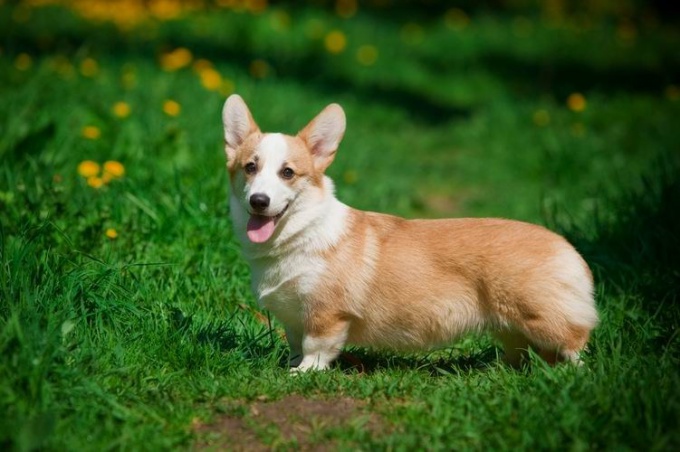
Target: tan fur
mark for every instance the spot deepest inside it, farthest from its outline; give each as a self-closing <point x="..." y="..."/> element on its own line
<point x="436" y="279"/>
<point x="378" y="280"/>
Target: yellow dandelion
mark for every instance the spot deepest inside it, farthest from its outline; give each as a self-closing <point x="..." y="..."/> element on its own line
<point x="121" y="109"/>
<point x="201" y="65"/>
<point x="113" y="169"/>
<point x="171" y="107"/>
<point x="210" y="79"/>
<point x="259" y="68"/>
<point x="176" y="59"/>
<point x="367" y="55"/>
<point x="23" y="62"/>
<point x="95" y="182"/>
<point x="673" y="93"/>
<point x="256" y="6"/>
<point x="165" y="10"/>
<point x="89" y="67"/>
<point x="111" y="233"/>
<point x="346" y="8"/>
<point x="335" y="41"/>
<point x="576" y="102"/>
<point x="91" y="132"/>
<point x="88" y="168"/>
<point x="541" y="118"/>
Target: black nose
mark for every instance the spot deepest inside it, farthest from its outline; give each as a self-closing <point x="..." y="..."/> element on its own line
<point x="259" y="201"/>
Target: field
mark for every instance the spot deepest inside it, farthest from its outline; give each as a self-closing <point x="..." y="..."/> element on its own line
<point x="126" y="317"/>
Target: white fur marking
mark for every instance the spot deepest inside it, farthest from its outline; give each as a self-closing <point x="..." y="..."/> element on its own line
<point x="272" y="153"/>
<point x="319" y="352"/>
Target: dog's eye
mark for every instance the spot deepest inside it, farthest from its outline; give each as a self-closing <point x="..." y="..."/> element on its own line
<point x="287" y="173"/>
<point x="250" y="168"/>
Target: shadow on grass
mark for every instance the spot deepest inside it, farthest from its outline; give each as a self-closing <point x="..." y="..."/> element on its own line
<point x="439" y="363"/>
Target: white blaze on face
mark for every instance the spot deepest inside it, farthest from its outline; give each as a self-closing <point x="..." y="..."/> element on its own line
<point x="272" y="154"/>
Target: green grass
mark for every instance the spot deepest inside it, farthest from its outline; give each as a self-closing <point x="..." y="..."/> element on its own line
<point x="125" y="343"/>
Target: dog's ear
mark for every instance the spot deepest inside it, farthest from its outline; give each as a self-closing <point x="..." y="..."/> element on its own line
<point x="323" y="134"/>
<point x="238" y="124"/>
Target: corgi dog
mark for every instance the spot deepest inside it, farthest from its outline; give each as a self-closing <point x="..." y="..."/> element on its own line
<point x="334" y="275"/>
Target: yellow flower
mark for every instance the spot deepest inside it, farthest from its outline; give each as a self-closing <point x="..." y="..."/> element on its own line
<point x="91" y="132"/>
<point x="256" y="6"/>
<point x="95" y="182"/>
<point x="165" y="10"/>
<point x="121" y="109"/>
<point x="201" y="64"/>
<point x="88" y="168"/>
<point x="171" y="108"/>
<point x="23" y="62"/>
<point x="113" y="170"/>
<point x="111" y="233"/>
<point x="335" y="41"/>
<point x="367" y="55"/>
<point x="576" y="102"/>
<point x="177" y="59"/>
<point x="210" y="79"/>
<point x="89" y="67"/>
<point x="346" y="8"/>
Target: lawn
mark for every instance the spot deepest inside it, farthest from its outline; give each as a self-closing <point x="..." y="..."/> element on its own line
<point x="126" y="317"/>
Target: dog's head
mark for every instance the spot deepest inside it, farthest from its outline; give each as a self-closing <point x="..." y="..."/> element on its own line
<point x="271" y="174"/>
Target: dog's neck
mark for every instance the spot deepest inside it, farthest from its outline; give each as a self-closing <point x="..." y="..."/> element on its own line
<point x="315" y="222"/>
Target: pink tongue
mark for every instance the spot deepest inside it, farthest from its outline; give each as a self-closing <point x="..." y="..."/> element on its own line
<point x="260" y="228"/>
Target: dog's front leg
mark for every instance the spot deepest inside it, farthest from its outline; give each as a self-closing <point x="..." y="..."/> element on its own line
<point x="320" y="349"/>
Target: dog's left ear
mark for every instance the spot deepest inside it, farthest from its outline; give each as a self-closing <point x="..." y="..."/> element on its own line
<point x="323" y="135"/>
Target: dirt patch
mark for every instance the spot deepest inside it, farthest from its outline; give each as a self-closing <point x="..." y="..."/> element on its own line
<point x="295" y="421"/>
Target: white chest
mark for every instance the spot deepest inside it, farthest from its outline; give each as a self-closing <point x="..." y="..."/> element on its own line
<point x="281" y="284"/>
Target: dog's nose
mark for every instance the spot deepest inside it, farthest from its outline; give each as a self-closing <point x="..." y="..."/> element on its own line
<point x="259" y="201"/>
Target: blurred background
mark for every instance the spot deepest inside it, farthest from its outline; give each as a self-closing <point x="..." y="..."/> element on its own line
<point x="454" y="108"/>
<point x="126" y="314"/>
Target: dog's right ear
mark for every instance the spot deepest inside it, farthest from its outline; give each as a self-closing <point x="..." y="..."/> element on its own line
<point x="238" y="124"/>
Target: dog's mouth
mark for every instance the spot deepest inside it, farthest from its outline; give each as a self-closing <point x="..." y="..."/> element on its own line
<point x="261" y="227"/>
